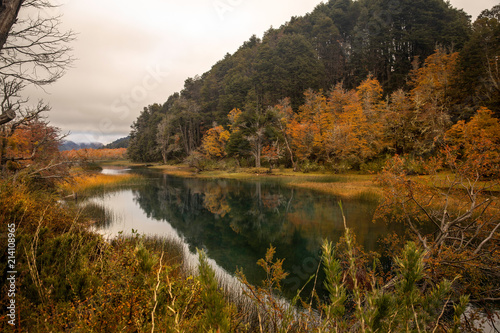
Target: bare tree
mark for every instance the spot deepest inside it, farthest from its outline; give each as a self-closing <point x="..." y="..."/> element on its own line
<point x="456" y="219"/>
<point x="33" y="50"/>
<point x="9" y="9"/>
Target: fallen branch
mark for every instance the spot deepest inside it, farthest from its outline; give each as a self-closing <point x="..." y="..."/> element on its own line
<point x="7" y="116"/>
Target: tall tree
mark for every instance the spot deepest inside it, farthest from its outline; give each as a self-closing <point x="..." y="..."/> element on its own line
<point x="143" y="145"/>
<point x="352" y="138"/>
<point x="430" y="98"/>
<point x="287" y="65"/>
<point x="255" y="126"/>
<point x="389" y="35"/>
<point x="188" y="122"/>
<point x="479" y="66"/>
<point x="476" y="144"/>
<point x="284" y="116"/>
<point x="166" y="137"/>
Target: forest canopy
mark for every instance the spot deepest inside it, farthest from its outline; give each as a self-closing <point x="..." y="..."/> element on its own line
<point x="350" y="82"/>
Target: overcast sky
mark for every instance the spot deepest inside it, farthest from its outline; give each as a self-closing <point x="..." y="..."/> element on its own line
<point x="134" y="53"/>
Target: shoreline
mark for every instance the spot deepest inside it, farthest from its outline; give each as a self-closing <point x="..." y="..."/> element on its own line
<point x="346" y="186"/>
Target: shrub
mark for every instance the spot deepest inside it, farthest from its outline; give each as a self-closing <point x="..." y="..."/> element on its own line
<point x="311" y="166"/>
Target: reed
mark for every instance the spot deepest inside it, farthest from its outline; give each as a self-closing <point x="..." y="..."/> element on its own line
<point x="363" y="191"/>
<point x="90" y="183"/>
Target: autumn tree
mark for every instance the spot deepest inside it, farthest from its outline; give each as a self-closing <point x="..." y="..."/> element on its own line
<point x="214" y="142"/>
<point x="308" y="127"/>
<point x="29" y="151"/>
<point x="429" y="117"/>
<point x="476" y="145"/>
<point x="399" y="127"/>
<point x="271" y="153"/>
<point x="349" y="139"/>
<point x="353" y="126"/>
<point x="33" y="141"/>
<point x="370" y="94"/>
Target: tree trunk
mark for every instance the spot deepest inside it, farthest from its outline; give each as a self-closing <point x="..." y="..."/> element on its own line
<point x="8" y="16"/>
<point x="258" y="154"/>
<point x="7" y="116"/>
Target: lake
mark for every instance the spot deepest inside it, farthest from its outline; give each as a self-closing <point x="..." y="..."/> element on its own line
<point x="236" y="221"/>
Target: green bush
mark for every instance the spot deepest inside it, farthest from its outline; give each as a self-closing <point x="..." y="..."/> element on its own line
<point x="374" y="166"/>
<point x="311" y="166"/>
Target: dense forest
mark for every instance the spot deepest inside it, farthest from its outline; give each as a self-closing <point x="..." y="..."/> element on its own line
<point x="349" y="83"/>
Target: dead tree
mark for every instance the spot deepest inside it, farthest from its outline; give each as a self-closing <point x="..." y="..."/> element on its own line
<point x="7" y="116"/>
<point x="9" y="9"/>
<point x="33" y="50"/>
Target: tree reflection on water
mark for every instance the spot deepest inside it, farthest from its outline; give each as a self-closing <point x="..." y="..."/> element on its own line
<point x="236" y="221"/>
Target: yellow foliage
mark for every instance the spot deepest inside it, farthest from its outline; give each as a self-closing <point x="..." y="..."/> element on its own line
<point x="214" y="142"/>
<point x="476" y="143"/>
<point x="85" y="182"/>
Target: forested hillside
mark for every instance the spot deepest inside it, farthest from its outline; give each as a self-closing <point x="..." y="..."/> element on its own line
<point x="120" y="143"/>
<point x="343" y="86"/>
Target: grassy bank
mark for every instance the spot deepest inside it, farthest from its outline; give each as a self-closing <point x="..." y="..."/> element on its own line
<point x="346" y="186"/>
<point x="70" y="279"/>
<point x="82" y="184"/>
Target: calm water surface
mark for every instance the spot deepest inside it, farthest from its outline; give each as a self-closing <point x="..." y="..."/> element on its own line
<point x="236" y="221"/>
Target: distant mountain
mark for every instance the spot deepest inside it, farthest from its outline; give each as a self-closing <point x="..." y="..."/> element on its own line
<point x="120" y="143"/>
<point x="70" y="145"/>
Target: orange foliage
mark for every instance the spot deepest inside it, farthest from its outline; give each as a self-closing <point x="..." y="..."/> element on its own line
<point x="370" y="96"/>
<point x="477" y="144"/>
<point x="270" y="153"/>
<point x="233" y="116"/>
<point x="90" y="154"/>
<point x="348" y="125"/>
<point x="306" y="129"/>
<point x="431" y="82"/>
<point x="34" y="141"/>
<point x="214" y="200"/>
<point x="214" y="142"/>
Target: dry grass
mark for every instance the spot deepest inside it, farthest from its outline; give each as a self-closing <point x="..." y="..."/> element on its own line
<point x="349" y="186"/>
<point x="364" y="190"/>
<point x="86" y="182"/>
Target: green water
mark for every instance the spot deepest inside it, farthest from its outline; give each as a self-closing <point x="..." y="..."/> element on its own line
<point x="236" y="221"/>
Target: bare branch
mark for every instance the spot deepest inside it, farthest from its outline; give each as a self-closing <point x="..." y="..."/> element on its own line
<point x="8" y="15"/>
<point x="36" y="50"/>
<point x="7" y="116"/>
<point x="487" y="238"/>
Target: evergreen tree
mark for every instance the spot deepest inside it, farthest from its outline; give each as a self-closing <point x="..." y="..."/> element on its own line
<point x="142" y="145"/>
